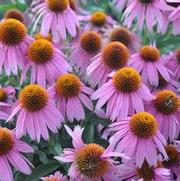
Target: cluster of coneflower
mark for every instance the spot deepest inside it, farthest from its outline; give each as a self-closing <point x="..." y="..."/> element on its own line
<point x="77" y="64"/>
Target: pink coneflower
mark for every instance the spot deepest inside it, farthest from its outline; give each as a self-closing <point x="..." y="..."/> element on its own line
<point x="175" y="18"/>
<point x="166" y="108"/>
<point x="90" y="162"/>
<point x="7" y="96"/>
<point x="37" y="113"/>
<point x="146" y="11"/>
<point x="56" y="177"/>
<point x="11" y="150"/>
<point x="69" y="93"/>
<point x="133" y="135"/>
<point x="45" y="61"/>
<point x="173" y="63"/>
<point x="98" y="21"/>
<point x="88" y="46"/>
<point x="18" y="15"/>
<point x="125" y="36"/>
<point x="57" y="17"/>
<point x="114" y="56"/>
<point x="129" y="171"/>
<point x="149" y="63"/>
<point x="14" y="14"/>
<point x="173" y="163"/>
<point x="13" y="44"/>
<point x="124" y="94"/>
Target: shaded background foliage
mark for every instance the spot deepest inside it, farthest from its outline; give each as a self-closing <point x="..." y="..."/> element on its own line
<point x="45" y="151"/>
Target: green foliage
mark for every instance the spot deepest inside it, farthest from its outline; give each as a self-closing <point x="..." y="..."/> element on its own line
<point x="6" y="7"/>
<point x="43" y="170"/>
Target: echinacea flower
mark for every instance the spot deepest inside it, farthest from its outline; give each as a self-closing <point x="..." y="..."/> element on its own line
<point x="57" y="18"/>
<point x="7" y="96"/>
<point x="149" y="12"/>
<point x="45" y="62"/>
<point x="56" y="177"/>
<point x="175" y="19"/>
<point x="14" y="14"/>
<point x="173" y="63"/>
<point x="125" y="36"/>
<point x="71" y="94"/>
<point x="98" y="21"/>
<point x="90" y="162"/>
<point x="114" y="56"/>
<point x="150" y="64"/>
<point x="13" y="44"/>
<point x="37" y="113"/>
<point x="166" y="108"/>
<point x="124" y="94"/>
<point x="88" y="46"/>
<point x="23" y="17"/>
<point x="173" y="163"/>
<point x="129" y="171"/>
<point x="139" y="138"/>
<point x="11" y="150"/>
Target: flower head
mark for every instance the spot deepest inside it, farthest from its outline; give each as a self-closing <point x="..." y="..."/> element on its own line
<point x="45" y="61"/>
<point x="123" y="94"/>
<point x="125" y="36"/>
<point x="143" y="125"/>
<point x="12" y="32"/>
<point x="69" y="92"/>
<point x="150" y="65"/>
<point x="14" y="14"/>
<point x="98" y="18"/>
<point x="114" y="56"/>
<point x="143" y="10"/>
<point x="166" y="108"/>
<point x="37" y="113"/>
<point x="87" y="47"/>
<point x="141" y="131"/>
<point x="56" y="13"/>
<point x="91" y="161"/>
<point x="13" y="43"/>
<point x="98" y="21"/>
<point x="10" y="155"/>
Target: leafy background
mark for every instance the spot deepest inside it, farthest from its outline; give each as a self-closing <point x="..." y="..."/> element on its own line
<point x="42" y="159"/>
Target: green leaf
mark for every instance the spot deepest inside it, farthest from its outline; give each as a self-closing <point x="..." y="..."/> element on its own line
<point x="5" y="7"/>
<point x="88" y="133"/>
<point x="42" y="157"/>
<point x="43" y="170"/>
<point x="94" y="119"/>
